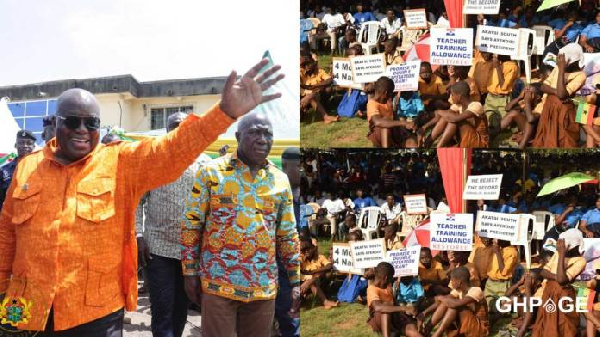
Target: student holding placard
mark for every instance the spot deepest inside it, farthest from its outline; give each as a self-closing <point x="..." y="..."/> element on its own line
<point x="499" y="87"/>
<point x="391" y="52"/>
<point x="481" y="71"/>
<point x="431" y="88"/>
<point x="431" y="272"/>
<point x="383" y="313"/>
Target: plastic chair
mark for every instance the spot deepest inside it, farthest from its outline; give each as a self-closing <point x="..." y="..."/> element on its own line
<point x="369" y="227"/>
<point x="369" y="36"/>
<point x="544" y="35"/>
<point x="545" y="217"/>
<point x="306" y="27"/>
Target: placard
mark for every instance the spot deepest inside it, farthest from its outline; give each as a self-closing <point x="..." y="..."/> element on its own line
<point x="484" y="187"/>
<point x="451" y="46"/>
<point x="481" y="7"/>
<point x="496" y="225"/>
<point x="342" y="259"/>
<point x="368" y="254"/>
<point x="451" y="232"/>
<point x="405" y="261"/>
<point x="496" y="40"/>
<point x="367" y="68"/>
<point x="415" y="18"/>
<point x="415" y="204"/>
<point x="342" y="73"/>
<point x="405" y="76"/>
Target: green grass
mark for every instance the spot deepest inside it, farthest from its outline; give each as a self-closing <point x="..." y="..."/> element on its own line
<point x="350" y="319"/>
<point x="349" y="132"/>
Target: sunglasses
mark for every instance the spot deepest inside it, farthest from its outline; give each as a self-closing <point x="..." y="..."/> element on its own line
<point x="73" y="122"/>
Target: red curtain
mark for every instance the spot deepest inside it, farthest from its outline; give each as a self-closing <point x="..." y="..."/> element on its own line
<point x="453" y="166"/>
<point x="454" y="8"/>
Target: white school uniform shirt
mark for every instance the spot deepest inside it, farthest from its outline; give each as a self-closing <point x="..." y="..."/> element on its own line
<point x="334" y="206"/>
<point x="391" y="213"/>
<point x="333" y="21"/>
<point x="391" y="28"/>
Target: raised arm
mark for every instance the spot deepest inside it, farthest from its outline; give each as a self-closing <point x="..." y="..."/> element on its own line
<point x="155" y="162"/>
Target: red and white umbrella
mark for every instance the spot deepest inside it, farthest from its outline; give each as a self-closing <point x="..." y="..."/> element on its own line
<point x="419" y="236"/>
<point x="420" y="51"/>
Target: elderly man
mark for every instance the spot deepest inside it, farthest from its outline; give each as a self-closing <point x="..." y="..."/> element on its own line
<point x="67" y="232"/>
<point x="25" y="145"/>
<point x="238" y="217"/>
<point x="158" y="227"/>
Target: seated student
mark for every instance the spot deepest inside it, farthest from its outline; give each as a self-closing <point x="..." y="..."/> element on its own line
<point x="524" y="111"/>
<point x="499" y="86"/>
<point x="522" y="291"/>
<point x="409" y="290"/>
<point x="312" y="83"/>
<point x="384" y="131"/>
<point x="391" y="52"/>
<point x="590" y="36"/>
<point x="481" y="71"/>
<point x="461" y="73"/>
<point x="572" y="214"/>
<point x="461" y="259"/>
<point x="431" y="273"/>
<point x="363" y="200"/>
<point x="590" y="221"/>
<point x="557" y="126"/>
<point x="354" y="101"/>
<point x="500" y="271"/>
<point x="559" y="274"/>
<point x="392" y="210"/>
<point x="463" y="311"/>
<point x="348" y="226"/>
<point x="391" y="24"/>
<point x="431" y="88"/>
<point x="384" y="316"/>
<point x="354" y="286"/>
<point x="313" y="267"/>
<point x="348" y="42"/>
<point x="481" y="257"/>
<point x="392" y="240"/>
<point x="465" y="119"/>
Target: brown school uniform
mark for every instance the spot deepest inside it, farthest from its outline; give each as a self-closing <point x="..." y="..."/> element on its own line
<point x="473" y="318"/>
<point x="396" y="136"/>
<point x="473" y="132"/>
<point x="386" y="296"/>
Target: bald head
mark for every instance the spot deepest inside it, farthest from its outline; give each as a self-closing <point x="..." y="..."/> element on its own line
<point x="75" y="101"/>
<point x="255" y="138"/>
<point x="174" y="120"/>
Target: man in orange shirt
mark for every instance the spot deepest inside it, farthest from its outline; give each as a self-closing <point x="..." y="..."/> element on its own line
<point x="384" y="131"/>
<point x="67" y="233"/>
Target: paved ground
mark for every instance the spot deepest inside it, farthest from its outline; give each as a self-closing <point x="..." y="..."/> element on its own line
<point x="140" y="321"/>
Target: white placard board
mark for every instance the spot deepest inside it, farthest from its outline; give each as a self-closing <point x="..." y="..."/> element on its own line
<point x="342" y="73"/>
<point x="496" y="225"/>
<point x="367" y="68"/>
<point x="405" y="261"/>
<point x="451" y="232"/>
<point x="405" y="76"/>
<point x="481" y="7"/>
<point x="415" y="18"/>
<point x="415" y="204"/>
<point x="496" y="40"/>
<point x="368" y="254"/>
<point x="483" y="187"/>
<point x="342" y="259"/>
<point x="451" y="46"/>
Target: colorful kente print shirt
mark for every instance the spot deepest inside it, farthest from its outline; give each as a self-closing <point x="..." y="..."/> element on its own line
<point x="233" y="226"/>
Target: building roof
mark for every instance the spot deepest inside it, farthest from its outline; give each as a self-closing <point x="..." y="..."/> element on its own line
<point x="117" y="84"/>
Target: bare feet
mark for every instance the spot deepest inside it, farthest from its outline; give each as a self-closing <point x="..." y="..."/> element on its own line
<point x="330" y="304"/>
<point x="331" y="119"/>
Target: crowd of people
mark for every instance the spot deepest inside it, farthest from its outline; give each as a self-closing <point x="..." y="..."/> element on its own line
<point x="486" y="104"/>
<point x="454" y="291"/>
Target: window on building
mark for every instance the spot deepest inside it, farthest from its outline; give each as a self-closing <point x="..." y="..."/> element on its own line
<point x="29" y="115"/>
<point x="159" y="115"/>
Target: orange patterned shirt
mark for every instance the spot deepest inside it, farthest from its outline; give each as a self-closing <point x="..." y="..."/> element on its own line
<point x="67" y="233"/>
